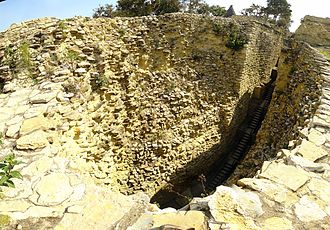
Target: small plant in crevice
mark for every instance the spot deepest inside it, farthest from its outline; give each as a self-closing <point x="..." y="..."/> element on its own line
<point x="236" y="40"/>
<point x="218" y="28"/>
<point x="292" y="70"/>
<point x="10" y="57"/>
<point x="6" y="171"/>
<point x="62" y="28"/>
<point x="25" y="56"/>
<point x="101" y="80"/>
<point x="71" y="58"/>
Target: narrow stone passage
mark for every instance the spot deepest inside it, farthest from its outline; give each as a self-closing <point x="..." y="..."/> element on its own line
<point x="177" y="196"/>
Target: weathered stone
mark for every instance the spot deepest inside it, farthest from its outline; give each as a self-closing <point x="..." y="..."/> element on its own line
<point x="39" y="211"/>
<point x="190" y="219"/>
<point x="43" y="98"/>
<point x="22" y="189"/>
<point x="14" y="205"/>
<point x="33" y="140"/>
<point x="310" y="151"/>
<point x="225" y="206"/>
<point x="33" y="124"/>
<point x="36" y="110"/>
<point x="102" y="209"/>
<point x="306" y="164"/>
<point x="271" y="190"/>
<point x="287" y="175"/>
<point x="316" y="137"/>
<point x="320" y="188"/>
<point x="307" y="210"/>
<point x="53" y="189"/>
<point x="38" y="167"/>
<point x="12" y="130"/>
<point x="276" y="223"/>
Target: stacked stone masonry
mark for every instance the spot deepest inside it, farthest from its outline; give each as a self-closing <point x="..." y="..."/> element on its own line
<point x="143" y="100"/>
<point x="92" y="109"/>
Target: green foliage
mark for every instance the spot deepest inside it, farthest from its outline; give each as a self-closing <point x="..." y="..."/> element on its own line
<point x="25" y="57"/>
<point x="101" y="81"/>
<point x="6" y="171"/>
<point x="217" y="28"/>
<point x="254" y="10"/>
<point x="11" y="57"/>
<point x="132" y="8"/>
<point x="1" y="136"/>
<point x="326" y="54"/>
<point x="236" y="40"/>
<point x="235" y="37"/>
<point x="167" y="6"/>
<point x="4" y="220"/>
<point x="278" y="9"/>
<point x="104" y="11"/>
<point x="62" y="25"/>
<point x="217" y="10"/>
<point x="72" y="57"/>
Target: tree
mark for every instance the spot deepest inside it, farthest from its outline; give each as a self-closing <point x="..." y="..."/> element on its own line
<point x="167" y="6"/>
<point x="217" y="10"/>
<point x="104" y="11"/>
<point x="281" y="12"/>
<point x="132" y="8"/>
<point x="278" y="8"/>
<point x="254" y="10"/>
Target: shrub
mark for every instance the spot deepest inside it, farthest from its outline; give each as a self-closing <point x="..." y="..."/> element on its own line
<point x="6" y="171"/>
<point x="11" y="58"/>
<point x="236" y="40"/>
<point x="25" y="56"/>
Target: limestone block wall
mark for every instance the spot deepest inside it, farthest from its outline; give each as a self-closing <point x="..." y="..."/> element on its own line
<point x="295" y="100"/>
<point x="145" y="99"/>
<point x="314" y="30"/>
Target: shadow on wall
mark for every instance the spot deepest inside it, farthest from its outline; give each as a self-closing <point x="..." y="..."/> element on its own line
<point x="179" y="191"/>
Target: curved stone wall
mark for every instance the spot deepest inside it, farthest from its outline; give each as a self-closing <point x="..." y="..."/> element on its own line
<point x="143" y="100"/>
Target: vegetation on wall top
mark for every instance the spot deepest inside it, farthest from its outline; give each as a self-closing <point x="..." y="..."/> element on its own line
<point x="131" y="8"/>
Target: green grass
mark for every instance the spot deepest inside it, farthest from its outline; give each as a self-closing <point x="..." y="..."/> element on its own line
<point x="326" y="53"/>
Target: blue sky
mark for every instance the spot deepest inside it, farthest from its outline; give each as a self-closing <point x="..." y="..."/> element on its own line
<point x="15" y="11"/>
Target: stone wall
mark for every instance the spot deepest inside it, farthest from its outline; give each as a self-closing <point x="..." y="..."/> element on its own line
<point x="145" y="99"/>
<point x="314" y="30"/>
<point x="295" y="100"/>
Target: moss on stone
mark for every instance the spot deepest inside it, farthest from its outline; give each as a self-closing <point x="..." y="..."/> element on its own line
<point x="4" y="220"/>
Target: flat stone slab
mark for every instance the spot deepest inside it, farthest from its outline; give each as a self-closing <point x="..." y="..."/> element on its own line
<point x="320" y="188"/>
<point x="33" y="124"/>
<point x="316" y="137"/>
<point x="287" y="175"/>
<point x="311" y="151"/>
<point x="306" y="210"/>
<point x="14" y="205"/>
<point x="273" y="191"/>
<point x="276" y="223"/>
<point x="52" y="189"/>
<point x="33" y="140"/>
<point x="236" y="207"/>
